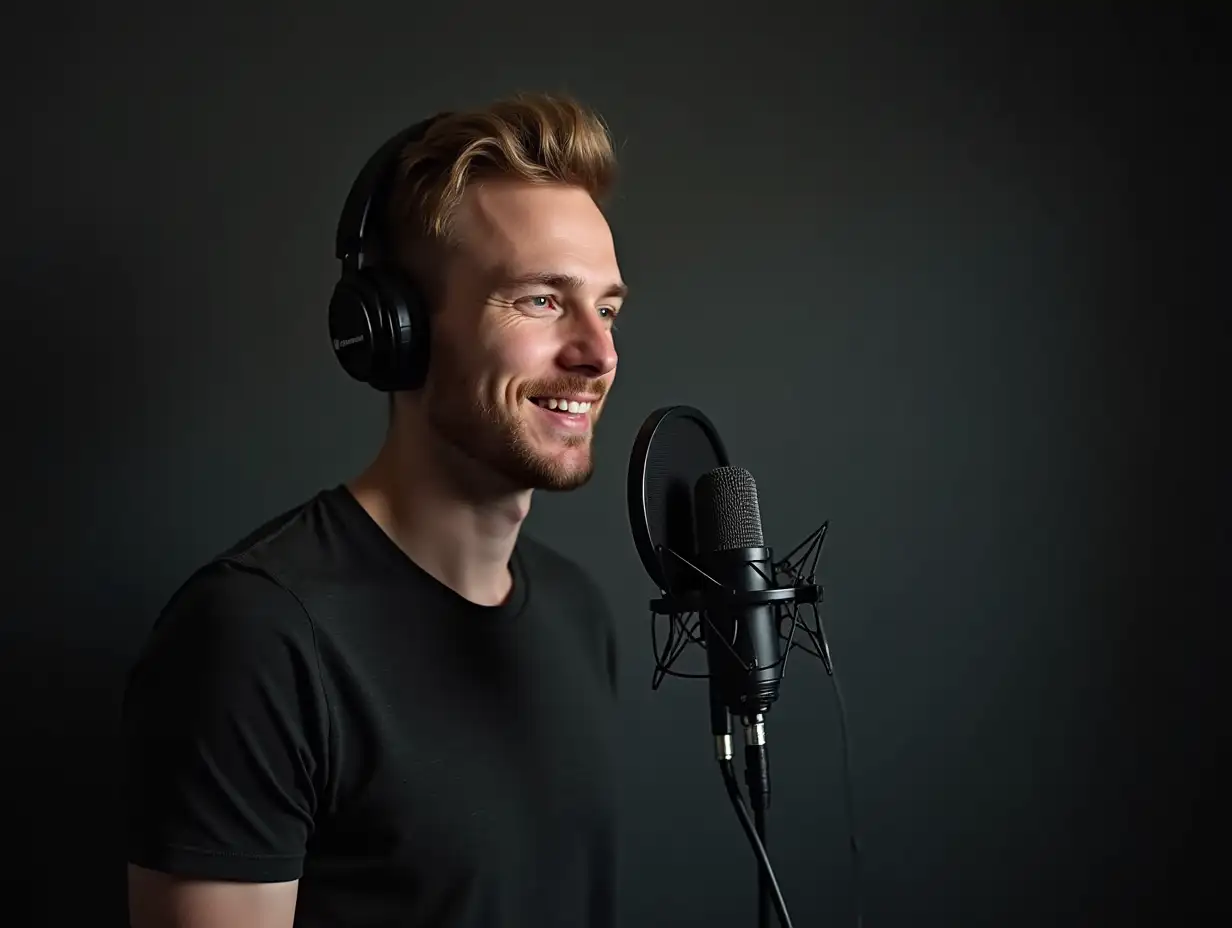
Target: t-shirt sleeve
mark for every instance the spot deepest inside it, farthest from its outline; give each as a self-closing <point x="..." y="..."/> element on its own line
<point x="225" y="732"/>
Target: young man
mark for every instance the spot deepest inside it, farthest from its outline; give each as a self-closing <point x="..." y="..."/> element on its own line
<point x="387" y="707"/>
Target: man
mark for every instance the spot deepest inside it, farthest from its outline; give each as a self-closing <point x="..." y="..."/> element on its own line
<point x="388" y="706"/>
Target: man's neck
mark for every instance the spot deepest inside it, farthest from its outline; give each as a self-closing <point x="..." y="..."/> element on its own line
<point x="433" y="504"/>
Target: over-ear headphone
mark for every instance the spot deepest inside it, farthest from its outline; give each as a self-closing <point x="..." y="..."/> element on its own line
<point x="378" y="322"/>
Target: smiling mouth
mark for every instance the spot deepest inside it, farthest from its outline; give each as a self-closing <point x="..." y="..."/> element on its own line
<point x="563" y="406"/>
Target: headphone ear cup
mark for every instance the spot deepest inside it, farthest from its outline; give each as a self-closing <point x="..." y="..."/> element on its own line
<point x="353" y="325"/>
<point x="379" y="330"/>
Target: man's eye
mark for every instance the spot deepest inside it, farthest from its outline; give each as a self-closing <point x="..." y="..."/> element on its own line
<point x="542" y="302"/>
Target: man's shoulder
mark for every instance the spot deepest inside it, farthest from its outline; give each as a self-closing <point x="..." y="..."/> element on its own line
<point x="293" y="536"/>
<point x="247" y="588"/>
<point x="226" y="607"/>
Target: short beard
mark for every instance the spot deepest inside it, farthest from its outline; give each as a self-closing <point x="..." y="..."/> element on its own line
<point x="488" y="434"/>
<point x="515" y="458"/>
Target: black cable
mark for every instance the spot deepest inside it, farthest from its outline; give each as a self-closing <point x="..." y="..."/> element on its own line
<point x="818" y="637"/>
<point x="757" y="779"/>
<point x="759" y="850"/>
<point x="849" y="801"/>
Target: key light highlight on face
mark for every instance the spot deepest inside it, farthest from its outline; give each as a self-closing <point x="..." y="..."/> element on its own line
<point x="523" y="353"/>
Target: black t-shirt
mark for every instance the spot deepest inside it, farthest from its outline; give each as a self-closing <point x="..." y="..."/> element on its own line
<point x="311" y="705"/>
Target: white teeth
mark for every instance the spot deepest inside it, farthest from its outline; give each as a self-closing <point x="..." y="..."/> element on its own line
<point x="570" y="406"/>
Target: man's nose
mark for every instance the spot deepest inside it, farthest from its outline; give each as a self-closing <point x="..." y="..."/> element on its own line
<point x="590" y="349"/>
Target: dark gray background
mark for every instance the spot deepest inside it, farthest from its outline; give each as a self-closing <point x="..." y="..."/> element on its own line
<point x="942" y="279"/>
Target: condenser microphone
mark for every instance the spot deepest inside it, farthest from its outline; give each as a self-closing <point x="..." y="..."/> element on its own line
<point x="740" y="622"/>
<point x="696" y="524"/>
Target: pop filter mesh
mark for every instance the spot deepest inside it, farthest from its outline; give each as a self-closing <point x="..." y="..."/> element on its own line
<point x="727" y="512"/>
<point x="676" y="446"/>
<point x="677" y="454"/>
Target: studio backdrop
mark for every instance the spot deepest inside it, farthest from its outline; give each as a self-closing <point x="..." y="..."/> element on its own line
<point x="933" y="277"/>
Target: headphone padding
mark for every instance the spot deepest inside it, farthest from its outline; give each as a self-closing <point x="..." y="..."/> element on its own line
<point x="378" y="329"/>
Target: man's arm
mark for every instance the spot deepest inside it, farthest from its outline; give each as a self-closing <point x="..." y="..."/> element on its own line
<point x="225" y="751"/>
<point x="160" y="900"/>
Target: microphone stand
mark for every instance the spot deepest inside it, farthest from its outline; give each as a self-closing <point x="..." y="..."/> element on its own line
<point x="800" y="591"/>
<point x="757" y="777"/>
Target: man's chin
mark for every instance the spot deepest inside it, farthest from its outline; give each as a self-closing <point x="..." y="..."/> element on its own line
<point x="566" y="482"/>
<point x="526" y="457"/>
<point x="550" y="463"/>
<point x="560" y="472"/>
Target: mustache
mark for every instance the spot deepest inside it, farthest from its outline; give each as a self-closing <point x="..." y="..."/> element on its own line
<point x="563" y="386"/>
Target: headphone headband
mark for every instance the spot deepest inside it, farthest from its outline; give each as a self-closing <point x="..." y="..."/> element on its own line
<point x="361" y="227"/>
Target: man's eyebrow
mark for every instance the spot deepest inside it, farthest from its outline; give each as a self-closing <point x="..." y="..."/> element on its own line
<point x="562" y="282"/>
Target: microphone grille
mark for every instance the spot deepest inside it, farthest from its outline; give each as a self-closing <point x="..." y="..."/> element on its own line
<point x="726" y="510"/>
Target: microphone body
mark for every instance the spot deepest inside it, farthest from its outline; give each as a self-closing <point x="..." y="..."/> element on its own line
<point x="742" y="640"/>
<point x="743" y="648"/>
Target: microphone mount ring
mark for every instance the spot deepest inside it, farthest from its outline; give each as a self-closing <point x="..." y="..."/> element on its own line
<point x="805" y="594"/>
<point x="794" y="586"/>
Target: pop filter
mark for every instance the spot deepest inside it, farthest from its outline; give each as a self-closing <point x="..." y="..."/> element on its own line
<point x="673" y="448"/>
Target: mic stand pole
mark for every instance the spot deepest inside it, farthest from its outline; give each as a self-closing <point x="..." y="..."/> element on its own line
<point x="757" y="778"/>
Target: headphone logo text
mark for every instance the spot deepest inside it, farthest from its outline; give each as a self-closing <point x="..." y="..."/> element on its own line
<point x="344" y="342"/>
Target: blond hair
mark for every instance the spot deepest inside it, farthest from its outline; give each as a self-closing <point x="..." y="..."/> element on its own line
<point x="539" y="138"/>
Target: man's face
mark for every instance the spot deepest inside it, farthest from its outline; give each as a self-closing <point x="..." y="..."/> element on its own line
<point x="522" y="355"/>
